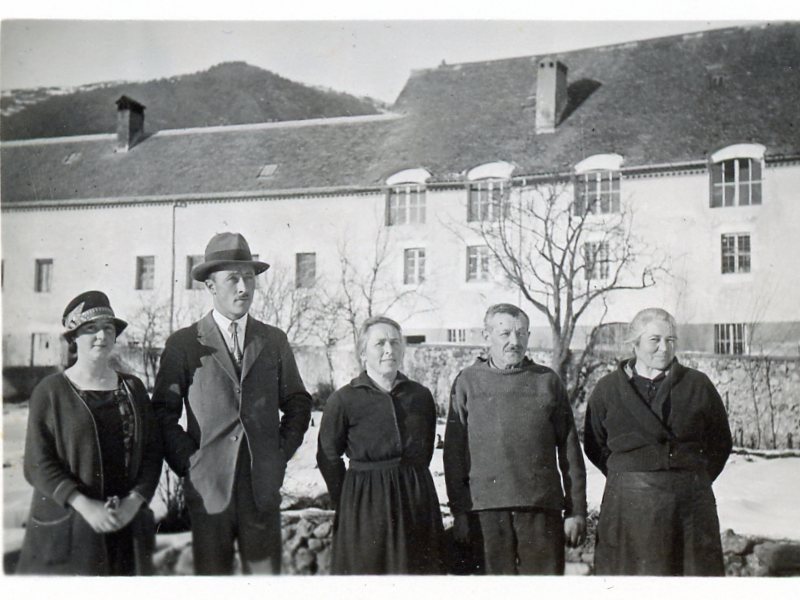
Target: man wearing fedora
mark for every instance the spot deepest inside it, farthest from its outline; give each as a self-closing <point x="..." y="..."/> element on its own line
<point x="233" y="375"/>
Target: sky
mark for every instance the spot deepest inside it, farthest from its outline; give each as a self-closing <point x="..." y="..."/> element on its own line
<point x="362" y="57"/>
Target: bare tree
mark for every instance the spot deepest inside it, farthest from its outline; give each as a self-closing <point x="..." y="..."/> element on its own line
<point x="148" y="330"/>
<point x="281" y="302"/>
<point x="564" y="259"/>
<point x="367" y="287"/>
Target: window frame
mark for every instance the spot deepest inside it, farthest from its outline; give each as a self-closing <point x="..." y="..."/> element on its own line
<point x="596" y="254"/>
<point x="403" y="201"/>
<point x="456" y="335"/>
<point x="141" y="262"/>
<point x="729" y="161"/>
<point x="302" y="279"/>
<point x="731" y="339"/>
<point x="485" y="203"/>
<point x="605" y="193"/>
<point x="483" y="270"/>
<point x="733" y="258"/>
<point x="417" y="256"/>
<point x="43" y="275"/>
<point x="191" y="261"/>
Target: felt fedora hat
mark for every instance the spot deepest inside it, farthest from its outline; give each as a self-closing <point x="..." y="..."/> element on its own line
<point x="226" y="249"/>
<point x="88" y="307"/>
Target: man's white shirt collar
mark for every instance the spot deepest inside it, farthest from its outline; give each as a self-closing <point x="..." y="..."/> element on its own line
<point x="224" y="324"/>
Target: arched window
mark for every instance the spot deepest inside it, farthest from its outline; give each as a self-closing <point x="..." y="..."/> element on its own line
<point x="597" y="184"/>
<point x="489" y="191"/>
<point x="405" y="198"/>
<point x="736" y="175"/>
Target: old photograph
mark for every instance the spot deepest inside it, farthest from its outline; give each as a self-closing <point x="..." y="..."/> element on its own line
<point x="394" y="297"/>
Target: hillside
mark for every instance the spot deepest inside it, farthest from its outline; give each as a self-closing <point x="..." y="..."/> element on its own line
<point x="226" y="94"/>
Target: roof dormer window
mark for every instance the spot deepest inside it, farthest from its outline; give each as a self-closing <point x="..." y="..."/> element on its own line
<point x="405" y="198"/>
<point x="489" y="191"/>
<point x="736" y="175"/>
<point x="597" y="184"/>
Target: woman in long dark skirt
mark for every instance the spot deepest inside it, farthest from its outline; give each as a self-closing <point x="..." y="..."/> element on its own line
<point x="387" y="511"/>
<point x="659" y="432"/>
<point x="93" y="456"/>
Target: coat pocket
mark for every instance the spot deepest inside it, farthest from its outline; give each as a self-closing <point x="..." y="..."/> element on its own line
<point x="50" y="541"/>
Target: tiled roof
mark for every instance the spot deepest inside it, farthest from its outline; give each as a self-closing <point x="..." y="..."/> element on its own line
<point x="194" y="161"/>
<point x="654" y="104"/>
<point x="651" y="102"/>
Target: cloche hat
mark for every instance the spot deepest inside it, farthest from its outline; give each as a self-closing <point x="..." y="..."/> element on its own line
<point x="87" y="307"/>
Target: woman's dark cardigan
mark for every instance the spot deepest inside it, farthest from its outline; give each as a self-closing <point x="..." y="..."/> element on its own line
<point x="622" y="433"/>
<point x="62" y="455"/>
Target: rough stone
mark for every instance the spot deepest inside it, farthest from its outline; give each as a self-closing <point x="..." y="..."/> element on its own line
<point x="323" y="530"/>
<point x="304" y="561"/>
<point x="315" y="544"/>
<point x="577" y="568"/>
<point x="734" y="564"/>
<point x="304" y="528"/>
<point x="735" y="544"/>
<point x="185" y="563"/>
<point x="754" y="567"/>
<point x="779" y="558"/>
<point x="295" y="542"/>
<point x="324" y="561"/>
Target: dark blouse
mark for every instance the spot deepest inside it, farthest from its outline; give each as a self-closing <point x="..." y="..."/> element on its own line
<point x="115" y="422"/>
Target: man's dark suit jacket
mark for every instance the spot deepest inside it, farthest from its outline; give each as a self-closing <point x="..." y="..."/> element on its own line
<point x="223" y="410"/>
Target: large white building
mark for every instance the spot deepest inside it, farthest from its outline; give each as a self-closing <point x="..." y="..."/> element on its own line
<point x="697" y="137"/>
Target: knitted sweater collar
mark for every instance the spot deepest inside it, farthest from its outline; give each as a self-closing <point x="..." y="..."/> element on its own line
<point x="484" y="363"/>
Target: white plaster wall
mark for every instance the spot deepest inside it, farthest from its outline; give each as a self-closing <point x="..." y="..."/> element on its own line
<point x="97" y="247"/>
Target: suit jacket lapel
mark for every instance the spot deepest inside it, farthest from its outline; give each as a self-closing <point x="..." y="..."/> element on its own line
<point x="255" y="340"/>
<point x="209" y="335"/>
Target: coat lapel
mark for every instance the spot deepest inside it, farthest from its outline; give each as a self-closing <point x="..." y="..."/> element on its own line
<point x="255" y="339"/>
<point x="209" y="335"/>
<point x="639" y="410"/>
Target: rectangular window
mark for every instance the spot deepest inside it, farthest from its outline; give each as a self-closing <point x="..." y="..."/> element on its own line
<point x="735" y="253"/>
<point x="730" y="338"/>
<point x="145" y="272"/>
<point x="191" y="262"/>
<point x="44" y="275"/>
<point x="597" y="192"/>
<point x="736" y="182"/>
<point x="478" y="263"/>
<point x="487" y="198"/>
<point x="596" y="260"/>
<point x="406" y="205"/>
<point x="305" y="271"/>
<point x="458" y="336"/>
<point x="414" y="265"/>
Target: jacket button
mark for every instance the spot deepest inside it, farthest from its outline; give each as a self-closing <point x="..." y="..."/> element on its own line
<point x="234" y="437"/>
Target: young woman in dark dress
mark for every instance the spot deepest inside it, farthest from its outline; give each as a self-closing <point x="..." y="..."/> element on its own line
<point x="387" y="511"/>
<point x="93" y="456"/>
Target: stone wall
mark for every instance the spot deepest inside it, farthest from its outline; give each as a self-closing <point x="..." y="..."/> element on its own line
<point x="762" y="395"/>
<point x="308" y="534"/>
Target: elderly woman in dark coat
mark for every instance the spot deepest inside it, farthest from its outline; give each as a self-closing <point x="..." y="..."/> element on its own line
<point x="659" y="432"/>
<point x="93" y="456"/>
<point x="387" y="510"/>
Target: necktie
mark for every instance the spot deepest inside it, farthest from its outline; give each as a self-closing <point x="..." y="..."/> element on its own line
<point x="237" y="349"/>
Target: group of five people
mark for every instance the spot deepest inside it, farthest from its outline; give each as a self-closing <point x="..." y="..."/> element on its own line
<point x="229" y="410"/>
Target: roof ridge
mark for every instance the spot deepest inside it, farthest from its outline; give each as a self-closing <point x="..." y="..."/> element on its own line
<point x="628" y="43"/>
<point x="297" y="123"/>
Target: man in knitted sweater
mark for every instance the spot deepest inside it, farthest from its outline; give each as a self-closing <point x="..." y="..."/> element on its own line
<point x="512" y="457"/>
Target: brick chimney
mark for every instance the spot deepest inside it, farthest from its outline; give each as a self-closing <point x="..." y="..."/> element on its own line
<point x="130" y="123"/>
<point x="551" y="94"/>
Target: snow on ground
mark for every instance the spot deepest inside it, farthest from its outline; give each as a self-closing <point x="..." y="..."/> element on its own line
<point x="755" y="496"/>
